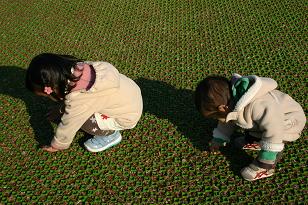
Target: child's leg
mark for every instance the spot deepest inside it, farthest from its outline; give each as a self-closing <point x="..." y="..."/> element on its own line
<point x="103" y="139"/>
<point x="91" y="127"/>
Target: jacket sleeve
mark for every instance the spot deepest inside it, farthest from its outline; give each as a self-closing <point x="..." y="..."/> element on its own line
<point x="269" y="119"/>
<point x="223" y="131"/>
<point x="71" y="122"/>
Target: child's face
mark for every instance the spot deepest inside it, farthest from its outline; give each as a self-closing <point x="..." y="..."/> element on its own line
<point x="219" y="114"/>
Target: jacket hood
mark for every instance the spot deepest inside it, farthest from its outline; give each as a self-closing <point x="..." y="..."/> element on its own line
<point x="260" y="86"/>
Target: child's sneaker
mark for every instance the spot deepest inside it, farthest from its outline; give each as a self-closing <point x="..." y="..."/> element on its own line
<point x="101" y="143"/>
<point x="254" y="172"/>
<point x="243" y="143"/>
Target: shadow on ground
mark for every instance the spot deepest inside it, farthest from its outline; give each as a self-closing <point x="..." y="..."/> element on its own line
<point x="177" y="105"/>
<point x="12" y="84"/>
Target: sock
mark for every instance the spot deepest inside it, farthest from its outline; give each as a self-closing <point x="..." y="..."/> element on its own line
<point x="267" y="157"/>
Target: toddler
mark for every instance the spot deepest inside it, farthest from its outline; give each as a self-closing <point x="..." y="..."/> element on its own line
<point x="253" y="103"/>
<point x="96" y="98"/>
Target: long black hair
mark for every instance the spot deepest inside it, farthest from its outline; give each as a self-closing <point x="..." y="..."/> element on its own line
<point x="51" y="70"/>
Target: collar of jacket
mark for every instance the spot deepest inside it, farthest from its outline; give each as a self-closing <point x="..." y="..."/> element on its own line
<point x="246" y="98"/>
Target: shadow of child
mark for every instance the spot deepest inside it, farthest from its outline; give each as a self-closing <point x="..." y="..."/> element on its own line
<point x="177" y="105"/>
<point x="12" y="80"/>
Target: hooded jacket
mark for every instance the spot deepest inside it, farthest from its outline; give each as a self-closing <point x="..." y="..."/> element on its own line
<point x="267" y="113"/>
<point x="112" y="94"/>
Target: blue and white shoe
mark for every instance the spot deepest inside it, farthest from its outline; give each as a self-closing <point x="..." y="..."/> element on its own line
<point x="101" y="143"/>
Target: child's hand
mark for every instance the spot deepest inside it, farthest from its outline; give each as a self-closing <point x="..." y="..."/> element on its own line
<point x="50" y="149"/>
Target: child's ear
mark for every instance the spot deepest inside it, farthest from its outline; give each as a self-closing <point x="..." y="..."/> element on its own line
<point x="223" y="108"/>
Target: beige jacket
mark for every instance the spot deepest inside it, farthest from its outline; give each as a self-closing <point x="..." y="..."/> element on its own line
<point x="267" y="113"/>
<point x="112" y="94"/>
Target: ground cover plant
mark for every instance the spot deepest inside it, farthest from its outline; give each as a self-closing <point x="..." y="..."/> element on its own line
<point x="167" y="47"/>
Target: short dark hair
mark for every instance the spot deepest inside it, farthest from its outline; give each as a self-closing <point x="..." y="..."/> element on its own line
<point x="53" y="70"/>
<point x="212" y="92"/>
